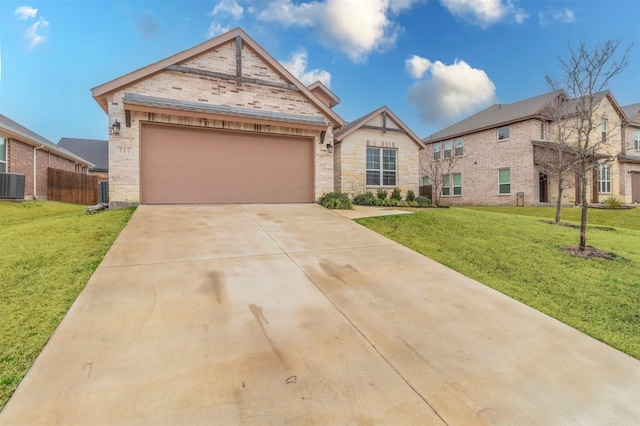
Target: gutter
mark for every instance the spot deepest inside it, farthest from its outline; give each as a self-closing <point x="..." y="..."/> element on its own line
<point x="35" y="172"/>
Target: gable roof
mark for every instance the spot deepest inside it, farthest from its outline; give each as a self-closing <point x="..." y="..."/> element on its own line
<point x="358" y="123"/>
<point x="94" y="150"/>
<point x="632" y="112"/>
<point x="23" y="134"/>
<point x="496" y="115"/>
<point x="103" y="92"/>
<point x="318" y="86"/>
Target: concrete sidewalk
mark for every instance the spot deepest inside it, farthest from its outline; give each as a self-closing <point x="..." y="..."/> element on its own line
<point x="288" y="314"/>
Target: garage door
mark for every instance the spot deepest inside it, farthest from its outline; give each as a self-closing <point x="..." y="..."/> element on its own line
<point x="183" y="165"/>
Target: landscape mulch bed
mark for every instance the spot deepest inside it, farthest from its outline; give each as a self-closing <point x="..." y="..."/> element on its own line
<point x="589" y="252"/>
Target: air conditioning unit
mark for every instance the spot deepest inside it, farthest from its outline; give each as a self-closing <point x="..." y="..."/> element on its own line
<point x="11" y="186"/>
<point x="103" y="192"/>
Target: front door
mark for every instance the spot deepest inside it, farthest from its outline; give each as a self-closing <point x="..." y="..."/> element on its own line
<point x="635" y="187"/>
<point x="544" y="185"/>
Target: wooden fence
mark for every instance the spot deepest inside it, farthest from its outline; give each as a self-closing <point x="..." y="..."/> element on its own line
<point x="70" y="187"/>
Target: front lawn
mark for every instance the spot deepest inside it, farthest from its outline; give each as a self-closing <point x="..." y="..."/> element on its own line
<point x="522" y="257"/>
<point x="48" y="251"/>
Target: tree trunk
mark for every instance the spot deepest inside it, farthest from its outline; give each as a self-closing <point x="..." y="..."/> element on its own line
<point x="559" y="201"/>
<point x="585" y="206"/>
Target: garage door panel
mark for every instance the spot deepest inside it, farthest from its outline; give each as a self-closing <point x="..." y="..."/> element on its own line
<point x="182" y="165"/>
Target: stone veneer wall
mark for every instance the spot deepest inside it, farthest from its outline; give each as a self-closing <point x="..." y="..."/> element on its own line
<point x="124" y="149"/>
<point x="351" y="154"/>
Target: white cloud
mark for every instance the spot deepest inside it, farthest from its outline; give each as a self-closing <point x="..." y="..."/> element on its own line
<point x="26" y="12"/>
<point x="565" y="15"/>
<point x="417" y="66"/>
<point x="485" y="13"/>
<point x="453" y="91"/>
<point x="297" y="66"/>
<point x="216" y="29"/>
<point x="228" y="8"/>
<point x="356" y="27"/>
<point x="32" y="35"/>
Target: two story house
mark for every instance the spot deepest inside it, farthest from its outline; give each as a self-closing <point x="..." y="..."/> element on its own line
<point x="496" y="156"/>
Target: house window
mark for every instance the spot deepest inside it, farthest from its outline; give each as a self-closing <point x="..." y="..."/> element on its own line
<point x="447" y="149"/>
<point x="504" y="181"/>
<point x="542" y="130"/>
<point x="457" y="183"/>
<point x="503" y="133"/>
<point x="3" y="155"/>
<point x="459" y="146"/>
<point x="604" y="179"/>
<point x="381" y="167"/>
<point x="446" y="185"/>
<point x="636" y="139"/>
<point x="425" y="181"/>
<point x="603" y="128"/>
<point x="436" y="151"/>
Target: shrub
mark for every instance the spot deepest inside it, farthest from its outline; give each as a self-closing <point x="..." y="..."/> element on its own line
<point x="382" y="194"/>
<point x="411" y="196"/>
<point x="612" y="203"/>
<point x="366" y="199"/>
<point x="396" y="194"/>
<point x="335" y="200"/>
<point x="390" y="202"/>
<point x="423" y="201"/>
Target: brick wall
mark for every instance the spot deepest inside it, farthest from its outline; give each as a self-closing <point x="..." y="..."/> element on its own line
<point x="124" y="149"/>
<point x="20" y="156"/>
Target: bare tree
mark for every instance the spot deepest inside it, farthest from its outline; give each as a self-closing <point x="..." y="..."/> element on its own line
<point x="559" y="158"/>
<point x="586" y="73"/>
<point x="436" y="169"/>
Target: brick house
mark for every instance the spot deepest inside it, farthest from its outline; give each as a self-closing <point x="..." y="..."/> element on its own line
<point x="497" y="154"/>
<point x="629" y="158"/>
<point x="94" y="150"/>
<point x="222" y="122"/>
<point x="27" y="153"/>
<point x="376" y="151"/>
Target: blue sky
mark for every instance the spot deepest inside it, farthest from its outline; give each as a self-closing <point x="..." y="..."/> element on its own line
<point x="433" y="62"/>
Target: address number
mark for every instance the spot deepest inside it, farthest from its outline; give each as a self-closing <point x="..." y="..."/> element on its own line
<point x="124" y="149"/>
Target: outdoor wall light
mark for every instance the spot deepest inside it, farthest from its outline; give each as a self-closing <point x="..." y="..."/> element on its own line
<point x="329" y="148"/>
<point x="115" y="127"/>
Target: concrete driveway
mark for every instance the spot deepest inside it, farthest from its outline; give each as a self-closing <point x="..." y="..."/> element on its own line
<point x="291" y="314"/>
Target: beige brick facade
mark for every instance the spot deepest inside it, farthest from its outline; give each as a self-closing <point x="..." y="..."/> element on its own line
<point x="124" y="149"/>
<point x="484" y="155"/>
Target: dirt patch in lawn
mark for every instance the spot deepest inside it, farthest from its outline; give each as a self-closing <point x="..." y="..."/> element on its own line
<point x="589" y="252"/>
<point x="573" y="225"/>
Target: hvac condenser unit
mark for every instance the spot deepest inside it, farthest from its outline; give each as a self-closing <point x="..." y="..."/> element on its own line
<point x="11" y="186"/>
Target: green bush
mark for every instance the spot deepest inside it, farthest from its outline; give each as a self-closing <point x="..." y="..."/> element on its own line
<point x="382" y="194"/>
<point x="396" y="194"/>
<point x="366" y="199"/>
<point x="390" y="202"/>
<point x="411" y="196"/>
<point x="423" y="201"/>
<point x="612" y="203"/>
<point x="335" y="200"/>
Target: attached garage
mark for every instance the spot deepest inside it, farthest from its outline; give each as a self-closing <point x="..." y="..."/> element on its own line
<point x="222" y="122"/>
<point x="187" y="165"/>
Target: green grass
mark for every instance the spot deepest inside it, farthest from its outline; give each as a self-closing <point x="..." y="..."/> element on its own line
<point x="629" y="219"/>
<point x="48" y="251"/>
<point x="522" y="257"/>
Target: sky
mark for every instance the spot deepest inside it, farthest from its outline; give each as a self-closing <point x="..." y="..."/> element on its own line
<point x="432" y="62"/>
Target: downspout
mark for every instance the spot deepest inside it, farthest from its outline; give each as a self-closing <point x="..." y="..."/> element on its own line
<point x="35" y="174"/>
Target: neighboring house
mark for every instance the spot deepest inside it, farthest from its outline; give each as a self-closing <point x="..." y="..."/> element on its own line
<point x="376" y="151"/>
<point x="629" y="158"/>
<point x="96" y="151"/>
<point x="25" y="152"/>
<point x="222" y="122"/>
<point x="498" y="154"/>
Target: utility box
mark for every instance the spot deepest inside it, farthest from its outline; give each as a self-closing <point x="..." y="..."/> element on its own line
<point x="103" y="192"/>
<point x="12" y="186"/>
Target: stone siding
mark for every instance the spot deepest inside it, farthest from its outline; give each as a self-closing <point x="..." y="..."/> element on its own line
<point x="124" y="149"/>
<point x="351" y="176"/>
